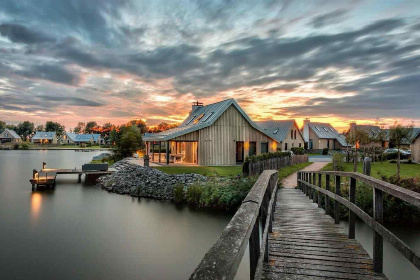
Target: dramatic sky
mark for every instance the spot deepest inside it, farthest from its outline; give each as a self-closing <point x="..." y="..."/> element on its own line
<point x="116" y="60"/>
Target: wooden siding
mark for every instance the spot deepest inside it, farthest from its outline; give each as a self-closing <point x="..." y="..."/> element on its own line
<point x="217" y="143"/>
<point x="415" y="150"/>
<point x="292" y="142"/>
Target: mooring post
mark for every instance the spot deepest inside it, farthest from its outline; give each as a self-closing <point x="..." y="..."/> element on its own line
<point x="80" y="178"/>
<point x="44" y="164"/>
<point x="352" y="216"/>
<point x="336" y="203"/>
<point x="327" y="198"/>
<point x="378" y="215"/>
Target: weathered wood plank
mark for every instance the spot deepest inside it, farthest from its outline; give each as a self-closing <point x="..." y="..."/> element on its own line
<point x="307" y="244"/>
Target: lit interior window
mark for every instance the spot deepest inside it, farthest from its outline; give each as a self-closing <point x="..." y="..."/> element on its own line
<point x="199" y="118"/>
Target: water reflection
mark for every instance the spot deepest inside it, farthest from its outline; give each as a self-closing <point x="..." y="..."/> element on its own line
<point x="36" y="201"/>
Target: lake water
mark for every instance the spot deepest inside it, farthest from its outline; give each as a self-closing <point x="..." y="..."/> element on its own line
<point x="78" y="231"/>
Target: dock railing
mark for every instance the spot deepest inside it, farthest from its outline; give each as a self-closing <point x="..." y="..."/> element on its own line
<point x="223" y="258"/>
<point x="311" y="184"/>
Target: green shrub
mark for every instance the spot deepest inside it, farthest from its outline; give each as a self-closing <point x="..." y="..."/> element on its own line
<point x="179" y="195"/>
<point x="260" y="157"/>
<point x="15" y="146"/>
<point x="24" y="146"/>
<point x="194" y="194"/>
<point x="338" y="161"/>
<point x="298" y="150"/>
<point x="325" y="151"/>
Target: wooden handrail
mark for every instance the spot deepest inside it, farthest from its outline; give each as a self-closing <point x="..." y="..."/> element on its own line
<point x="375" y="222"/>
<point x="223" y="258"/>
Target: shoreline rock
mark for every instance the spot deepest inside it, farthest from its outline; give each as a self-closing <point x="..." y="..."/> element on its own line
<point x="138" y="181"/>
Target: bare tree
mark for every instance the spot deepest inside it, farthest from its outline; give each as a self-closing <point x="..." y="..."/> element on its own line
<point x="356" y="137"/>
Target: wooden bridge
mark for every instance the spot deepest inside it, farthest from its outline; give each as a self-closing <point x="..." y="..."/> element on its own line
<point x="290" y="236"/>
<point x="46" y="177"/>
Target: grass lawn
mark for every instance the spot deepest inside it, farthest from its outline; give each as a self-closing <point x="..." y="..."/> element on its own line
<point x="110" y="162"/>
<point x="283" y="173"/>
<point x="209" y="171"/>
<point x="312" y="154"/>
<point x="380" y="169"/>
<point x="223" y="171"/>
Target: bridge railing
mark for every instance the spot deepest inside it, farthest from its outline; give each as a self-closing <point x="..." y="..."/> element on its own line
<point x="223" y="258"/>
<point x="311" y="184"/>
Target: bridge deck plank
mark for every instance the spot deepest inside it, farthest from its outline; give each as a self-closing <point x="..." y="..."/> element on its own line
<point x="307" y="244"/>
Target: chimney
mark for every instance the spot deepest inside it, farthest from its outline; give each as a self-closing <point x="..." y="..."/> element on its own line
<point x="306" y="130"/>
<point x="352" y="126"/>
<point x="195" y="105"/>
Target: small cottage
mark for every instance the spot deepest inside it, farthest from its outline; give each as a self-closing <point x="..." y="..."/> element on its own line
<point x="9" y="135"/>
<point x="322" y="135"/>
<point x="415" y="145"/>
<point x="285" y="132"/>
<point x="42" y="137"/>
<point x="73" y="138"/>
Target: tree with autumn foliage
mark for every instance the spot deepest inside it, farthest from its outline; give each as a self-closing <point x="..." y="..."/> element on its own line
<point x="163" y="126"/>
<point x="356" y="137"/>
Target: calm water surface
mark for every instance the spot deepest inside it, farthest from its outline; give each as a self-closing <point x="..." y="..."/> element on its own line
<point x="78" y="231"/>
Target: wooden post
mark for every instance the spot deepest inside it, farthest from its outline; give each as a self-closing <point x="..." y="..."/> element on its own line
<point x="327" y="198"/>
<point x="378" y="215"/>
<point x="80" y="178"/>
<point x="254" y="248"/>
<point x="298" y="183"/>
<point x="310" y="182"/>
<point x="153" y="151"/>
<point x="314" y="191"/>
<point x="44" y="164"/>
<point x="146" y="161"/>
<point x="366" y="166"/>
<point x="352" y="216"/>
<point x="306" y="185"/>
<point x="319" y="193"/>
<point x="336" y="203"/>
<point x="160" y="151"/>
<point x="33" y="178"/>
<point x="167" y="152"/>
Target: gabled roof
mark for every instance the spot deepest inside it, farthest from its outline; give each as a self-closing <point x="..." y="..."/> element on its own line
<point x="82" y="137"/>
<point x="12" y="133"/>
<point x="371" y="130"/>
<point x="327" y="131"/>
<point x="200" y="118"/>
<point x="44" y="135"/>
<point x="416" y="133"/>
<point x="277" y="129"/>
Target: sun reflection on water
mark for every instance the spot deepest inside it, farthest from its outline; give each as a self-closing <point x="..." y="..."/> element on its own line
<point x="36" y="200"/>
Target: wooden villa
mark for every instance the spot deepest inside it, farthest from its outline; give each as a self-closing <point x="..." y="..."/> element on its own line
<point x="285" y="132"/>
<point x="216" y="134"/>
<point x="323" y="135"/>
<point x="9" y="135"/>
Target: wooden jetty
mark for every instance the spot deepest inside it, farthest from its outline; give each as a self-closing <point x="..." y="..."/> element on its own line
<point x="46" y="177"/>
<point x="291" y="235"/>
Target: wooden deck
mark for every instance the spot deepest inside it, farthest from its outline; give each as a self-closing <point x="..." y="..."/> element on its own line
<point x="47" y="176"/>
<point x="307" y="244"/>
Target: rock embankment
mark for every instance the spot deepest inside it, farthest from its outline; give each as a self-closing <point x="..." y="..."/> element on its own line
<point x="139" y="181"/>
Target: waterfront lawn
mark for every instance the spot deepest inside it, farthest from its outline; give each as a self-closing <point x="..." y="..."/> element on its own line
<point x="283" y="173"/>
<point x="209" y="171"/>
<point x="382" y="169"/>
<point x="109" y="161"/>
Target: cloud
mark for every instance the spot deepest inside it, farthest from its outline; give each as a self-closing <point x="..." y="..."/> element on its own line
<point x="328" y="18"/>
<point x="51" y="72"/>
<point x="21" y="34"/>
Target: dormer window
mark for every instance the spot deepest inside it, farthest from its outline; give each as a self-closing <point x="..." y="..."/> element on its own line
<point x="199" y="118"/>
<point x="325" y="129"/>
<point x="208" y="116"/>
<point x="191" y="120"/>
<point x="317" y="128"/>
<point x="275" y="131"/>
